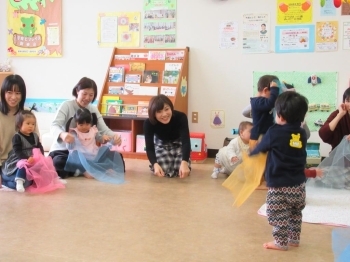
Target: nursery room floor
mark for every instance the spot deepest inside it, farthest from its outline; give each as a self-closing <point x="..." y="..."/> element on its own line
<point x="146" y="219"/>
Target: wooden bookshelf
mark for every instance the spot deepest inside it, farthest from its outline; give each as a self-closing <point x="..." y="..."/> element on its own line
<point x="3" y="75"/>
<point x="135" y="123"/>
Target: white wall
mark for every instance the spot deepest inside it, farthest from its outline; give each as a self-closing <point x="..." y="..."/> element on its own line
<point x="218" y="79"/>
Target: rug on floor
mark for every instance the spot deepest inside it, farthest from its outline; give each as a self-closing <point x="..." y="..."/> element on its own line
<point x="324" y="206"/>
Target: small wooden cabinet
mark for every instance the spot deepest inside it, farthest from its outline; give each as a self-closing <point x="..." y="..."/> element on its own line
<point x="134" y="124"/>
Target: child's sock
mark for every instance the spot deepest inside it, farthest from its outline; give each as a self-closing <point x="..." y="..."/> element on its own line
<point x="215" y="173"/>
<point x="19" y="185"/>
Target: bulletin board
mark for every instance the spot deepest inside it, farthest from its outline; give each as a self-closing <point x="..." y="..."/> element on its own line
<point x="322" y="96"/>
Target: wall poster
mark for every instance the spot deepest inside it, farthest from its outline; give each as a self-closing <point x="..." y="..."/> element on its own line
<point x="34" y="28"/>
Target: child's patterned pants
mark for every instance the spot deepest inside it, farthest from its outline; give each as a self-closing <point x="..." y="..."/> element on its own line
<point x="283" y="208"/>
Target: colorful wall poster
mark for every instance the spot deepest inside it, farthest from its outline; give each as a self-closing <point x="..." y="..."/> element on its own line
<point x="322" y="96"/>
<point x="118" y="29"/>
<point x="345" y="7"/>
<point x="295" y="39"/>
<point x="294" y="11"/>
<point x="34" y="28"/>
<point x="328" y="8"/>
<point x="159" y="23"/>
<point x="217" y="118"/>
<point x="228" y="34"/>
<point x="256" y="33"/>
<point x="326" y="36"/>
<point x="346" y="35"/>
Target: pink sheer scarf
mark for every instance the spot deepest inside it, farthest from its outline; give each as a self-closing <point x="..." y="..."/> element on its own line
<point x="42" y="173"/>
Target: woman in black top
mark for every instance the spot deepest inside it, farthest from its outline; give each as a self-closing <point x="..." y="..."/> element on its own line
<point x="167" y="137"/>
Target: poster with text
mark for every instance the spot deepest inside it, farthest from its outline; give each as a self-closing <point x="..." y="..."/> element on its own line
<point x="34" y="28"/>
<point x="119" y="29"/>
<point x="346" y="35"/>
<point x="326" y="36"/>
<point x="295" y="39"/>
<point x="294" y="11"/>
<point x="228" y="35"/>
<point x="328" y="8"/>
<point x="256" y="33"/>
<point x="159" y="23"/>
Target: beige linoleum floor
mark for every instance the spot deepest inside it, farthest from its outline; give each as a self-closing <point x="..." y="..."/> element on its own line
<point x="146" y="219"/>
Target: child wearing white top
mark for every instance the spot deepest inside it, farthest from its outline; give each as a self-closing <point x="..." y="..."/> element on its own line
<point x="228" y="157"/>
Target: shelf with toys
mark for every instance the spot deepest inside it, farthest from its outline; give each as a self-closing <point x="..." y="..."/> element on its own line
<point x="132" y="78"/>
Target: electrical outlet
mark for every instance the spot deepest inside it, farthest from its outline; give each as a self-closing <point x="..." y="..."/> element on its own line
<point x="194" y="117"/>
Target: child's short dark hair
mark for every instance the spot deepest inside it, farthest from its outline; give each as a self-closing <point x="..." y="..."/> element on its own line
<point x="82" y="116"/>
<point x="244" y="125"/>
<point x="157" y="103"/>
<point x="265" y="81"/>
<point x="292" y="107"/>
<point x="21" y="116"/>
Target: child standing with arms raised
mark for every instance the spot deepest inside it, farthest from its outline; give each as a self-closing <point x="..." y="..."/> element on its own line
<point x="262" y="107"/>
<point x="286" y="142"/>
<point x="230" y="156"/>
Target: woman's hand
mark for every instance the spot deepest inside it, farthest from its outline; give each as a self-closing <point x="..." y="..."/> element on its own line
<point x="117" y="140"/>
<point x="342" y="109"/>
<point x="67" y="137"/>
<point x="184" y="170"/>
<point x="158" y="171"/>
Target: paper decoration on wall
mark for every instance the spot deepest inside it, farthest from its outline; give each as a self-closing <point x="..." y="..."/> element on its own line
<point x="118" y="29"/>
<point x="34" y="28"/>
<point x="217" y="118"/>
<point x="337" y="3"/>
<point x="314" y="80"/>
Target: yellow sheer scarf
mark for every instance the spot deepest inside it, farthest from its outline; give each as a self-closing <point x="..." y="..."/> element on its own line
<point x="246" y="177"/>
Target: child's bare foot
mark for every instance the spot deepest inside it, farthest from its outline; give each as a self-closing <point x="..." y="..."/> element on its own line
<point x="87" y="175"/>
<point x="272" y="245"/>
<point x="293" y="244"/>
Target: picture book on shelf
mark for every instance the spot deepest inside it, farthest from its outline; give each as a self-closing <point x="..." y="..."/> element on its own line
<point x="116" y="74"/>
<point x="172" y="66"/>
<point x="142" y="108"/>
<point x="115" y="90"/>
<point x="138" y="56"/>
<point x="129" y="110"/>
<point x="170" y="77"/>
<point x="156" y="55"/>
<point x="114" y="107"/>
<point x="135" y="89"/>
<point x="106" y="98"/>
<point x="133" y="78"/>
<point x="122" y="57"/>
<point x="137" y="66"/>
<point x="168" y="90"/>
<point x="125" y="66"/>
<point x="174" y="55"/>
<point x="150" y="76"/>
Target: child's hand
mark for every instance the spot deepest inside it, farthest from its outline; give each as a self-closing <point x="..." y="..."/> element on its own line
<point x="234" y="159"/>
<point x="67" y="138"/>
<point x="105" y="139"/>
<point x="273" y="84"/>
<point x="30" y="160"/>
